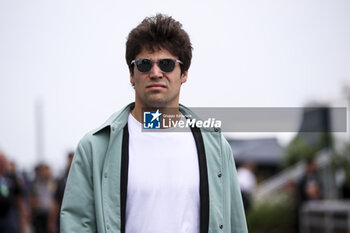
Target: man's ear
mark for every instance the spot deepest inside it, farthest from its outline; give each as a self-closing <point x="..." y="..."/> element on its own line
<point x="132" y="80"/>
<point x="184" y="76"/>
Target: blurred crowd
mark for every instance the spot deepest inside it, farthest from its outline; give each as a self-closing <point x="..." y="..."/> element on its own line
<point x="30" y="205"/>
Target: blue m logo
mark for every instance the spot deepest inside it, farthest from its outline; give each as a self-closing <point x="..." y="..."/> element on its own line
<point x="151" y="120"/>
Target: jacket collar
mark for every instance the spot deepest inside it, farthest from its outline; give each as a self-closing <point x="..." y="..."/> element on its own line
<point x="117" y="121"/>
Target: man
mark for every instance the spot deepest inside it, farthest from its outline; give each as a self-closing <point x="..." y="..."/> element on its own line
<point x="41" y="197"/>
<point x="53" y="222"/>
<point x="309" y="187"/>
<point x="247" y="183"/>
<point x="125" y="180"/>
<point x="11" y="203"/>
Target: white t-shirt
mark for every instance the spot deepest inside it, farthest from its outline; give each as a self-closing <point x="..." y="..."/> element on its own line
<point x="163" y="182"/>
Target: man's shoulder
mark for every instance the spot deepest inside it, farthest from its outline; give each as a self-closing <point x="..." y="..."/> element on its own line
<point x="210" y="134"/>
<point x="115" y="122"/>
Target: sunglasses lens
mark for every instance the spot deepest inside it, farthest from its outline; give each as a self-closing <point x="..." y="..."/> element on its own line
<point x="166" y="65"/>
<point x="144" y="65"/>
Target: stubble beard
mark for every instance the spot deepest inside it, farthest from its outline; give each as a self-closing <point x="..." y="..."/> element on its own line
<point x="154" y="101"/>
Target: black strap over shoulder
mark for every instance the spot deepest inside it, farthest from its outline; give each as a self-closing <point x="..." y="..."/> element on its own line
<point x="203" y="185"/>
<point x="124" y="176"/>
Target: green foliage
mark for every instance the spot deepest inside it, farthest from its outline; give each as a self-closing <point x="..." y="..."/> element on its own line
<point x="277" y="217"/>
<point x="298" y="150"/>
<point x="306" y="145"/>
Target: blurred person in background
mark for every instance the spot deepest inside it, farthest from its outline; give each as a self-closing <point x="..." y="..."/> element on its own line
<point x="11" y="205"/>
<point x="41" y="197"/>
<point x="24" y="208"/>
<point x="54" y="220"/>
<point x="247" y="183"/>
<point x="345" y="189"/>
<point x="309" y="186"/>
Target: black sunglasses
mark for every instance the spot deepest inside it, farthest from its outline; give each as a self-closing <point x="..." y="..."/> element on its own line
<point x="145" y="65"/>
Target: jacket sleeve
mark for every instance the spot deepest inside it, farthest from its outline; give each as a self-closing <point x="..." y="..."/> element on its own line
<point x="237" y="214"/>
<point x="77" y="211"/>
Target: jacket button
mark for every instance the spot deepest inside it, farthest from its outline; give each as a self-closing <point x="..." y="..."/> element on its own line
<point x="107" y="227"/>
<point x="105" y="175"/>
<point x="221" y="226"/>
<point x="219" y="175"/>
<point x="112" y="128"/>
<point x="216" y="129"/>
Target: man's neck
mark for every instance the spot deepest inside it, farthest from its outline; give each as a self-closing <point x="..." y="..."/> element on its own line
<point x="137" y="114"/>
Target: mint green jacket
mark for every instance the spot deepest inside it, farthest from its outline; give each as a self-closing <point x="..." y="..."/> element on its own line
<point x="94" y="199"/>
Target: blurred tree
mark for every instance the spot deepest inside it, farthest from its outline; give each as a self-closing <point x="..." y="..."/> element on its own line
<point x="306" y="146"/>
<point x="314" y="135"/>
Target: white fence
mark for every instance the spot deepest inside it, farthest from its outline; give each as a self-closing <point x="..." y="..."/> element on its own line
<point x="331" y="216"/>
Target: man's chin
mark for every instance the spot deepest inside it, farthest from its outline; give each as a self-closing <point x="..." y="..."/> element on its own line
<point x="157" y="102"/>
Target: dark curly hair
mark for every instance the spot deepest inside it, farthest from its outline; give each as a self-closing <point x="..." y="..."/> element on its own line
<point x="156" y="32"/>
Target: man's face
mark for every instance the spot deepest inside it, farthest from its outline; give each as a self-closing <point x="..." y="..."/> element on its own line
<point x="3" y="163"/>
<point x="156" y="88"/>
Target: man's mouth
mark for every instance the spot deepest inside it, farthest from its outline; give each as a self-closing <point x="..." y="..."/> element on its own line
<point x="156" y="86"/>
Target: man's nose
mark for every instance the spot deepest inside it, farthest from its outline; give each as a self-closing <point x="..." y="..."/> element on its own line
<point x="155" y="72"/>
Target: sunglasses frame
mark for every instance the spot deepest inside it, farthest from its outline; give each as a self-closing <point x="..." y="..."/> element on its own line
<point x="157" y="62"/>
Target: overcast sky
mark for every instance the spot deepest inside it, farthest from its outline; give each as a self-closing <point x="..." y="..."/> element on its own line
<point x="69" y="56"/>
